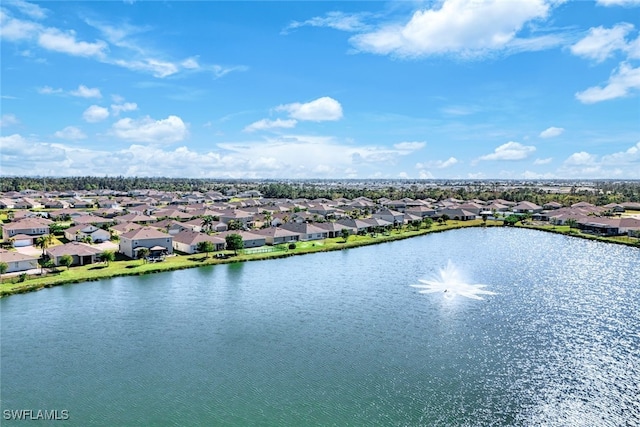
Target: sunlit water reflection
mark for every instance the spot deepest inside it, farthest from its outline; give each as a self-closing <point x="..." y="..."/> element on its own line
<point x="450" y="283"/>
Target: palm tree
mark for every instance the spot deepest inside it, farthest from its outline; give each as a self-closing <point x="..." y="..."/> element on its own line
<point x="43" y="242"/>
<point x="207" y="221"/>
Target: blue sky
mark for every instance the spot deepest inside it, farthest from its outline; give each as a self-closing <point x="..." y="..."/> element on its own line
<point x="301" y="89"/>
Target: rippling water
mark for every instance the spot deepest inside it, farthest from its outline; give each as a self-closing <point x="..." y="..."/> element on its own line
<point x="342" y="338"/>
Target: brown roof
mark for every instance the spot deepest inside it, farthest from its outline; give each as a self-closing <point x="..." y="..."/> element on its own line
<point x="145" y="233"/>
<point x="73" y="248"/>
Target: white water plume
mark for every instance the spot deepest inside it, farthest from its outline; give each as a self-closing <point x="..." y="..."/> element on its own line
<point x="450" y="282"/>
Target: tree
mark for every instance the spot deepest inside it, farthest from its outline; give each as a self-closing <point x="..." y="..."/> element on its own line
<point x="345" y="234"/>
<point x="235" y="225"/>
<point x="206" y="247"/>
<point x="66" y="260"/>
<point x="428" y="222"/>
<point x="207" y="222"/>
<point x="234" y="242"/>
<point x="107" y="256"/>
<point x="3" y="268"/>
<point x="572" y="223"/>
<point x="511" y="220"/>
<point x="444" y="218"/>
<point x="484" y="220"/>
<point x="143" y="253"/>
<point x="43" y="242"/>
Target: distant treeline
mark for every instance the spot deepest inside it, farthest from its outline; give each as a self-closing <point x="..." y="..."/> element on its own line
<point x="606" y="191"/>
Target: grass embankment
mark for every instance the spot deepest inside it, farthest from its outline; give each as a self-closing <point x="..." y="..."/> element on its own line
<point x="137" y="267"/>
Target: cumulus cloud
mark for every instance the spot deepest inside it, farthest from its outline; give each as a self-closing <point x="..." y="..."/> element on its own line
<point x="510" y="151"/>
<point x="95" y="114"/>
<point x="409" y="147"/>
<point x="630" y="156"/>
<point x="8" y="120"/>
<point x="65" y="42"/>
<point x="543" y="161"/>
<point x="70" y="132"/>
<point x="581" y="158"/>
<point x="623" y="81"/>
<point x="116" y="109"/>
<point x="551" y="132"/>
<point x="165" y="131"/>
<point x="600" y="43"/>
<point x="321" y="109"/>
<point x="266" y="124"/>
<point x="85" y="92"/>
<point x="466" y="28"/>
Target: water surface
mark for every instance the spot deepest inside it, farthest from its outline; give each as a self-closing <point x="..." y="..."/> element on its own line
<point x="341" y="338"/>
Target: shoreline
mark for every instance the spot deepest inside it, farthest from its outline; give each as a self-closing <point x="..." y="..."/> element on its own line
<point x="95" y="272"/>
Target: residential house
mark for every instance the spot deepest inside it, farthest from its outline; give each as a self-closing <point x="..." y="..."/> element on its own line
<point x="124" y="227"/>
<point x="187" y="241"/>
<point x="249" y="239"/>
<point x="334" y="229"/>
<point x="80" y="232"/>
<point x="81" y="253"/>
<point x="527" y="207"/>
<point x="307" y="231"/>
<point x="17" y="261"/>
<point x="25" y="231"/>
<point x="146" y="237"/>
<point x="277" y="235"/>
<point x="457" y="214"/>
<point x="393" y="217"/>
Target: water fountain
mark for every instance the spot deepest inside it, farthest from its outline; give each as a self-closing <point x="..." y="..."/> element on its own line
<point x="450" y="282"/>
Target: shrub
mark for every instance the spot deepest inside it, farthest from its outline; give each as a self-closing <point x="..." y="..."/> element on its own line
<point x="292" y="246"/>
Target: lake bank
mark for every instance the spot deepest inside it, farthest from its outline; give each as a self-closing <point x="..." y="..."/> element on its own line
<point x="95" y="272"/>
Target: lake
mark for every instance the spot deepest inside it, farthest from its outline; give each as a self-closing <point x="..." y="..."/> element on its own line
<point x="341" y="338"/>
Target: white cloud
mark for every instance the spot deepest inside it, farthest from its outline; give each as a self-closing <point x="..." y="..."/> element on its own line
<point x="622" y="81"/>
<point x="438" y="164"/>
<point x="156" y="67"/>
<point x="409" y="147"/>
<point x="321" y="109"/>
<point x="95" y="114"/>
<point x="466" y="28"/>
<point x="580" y="159"/>
<point x="165" y="131"/>
<point x="65" y="42"/>
<point x="425" y="175"/>
<point x="70" y="132"/>
<point x="630" y="156"/>
<point x="449" y="162"/>
<point x="47" y="90"/>
<point x="16" y="29"/>
<point x="510" y="151"/>
<point x="266" y="124"/>
<point x="403" y="175"/>
<point x="19" y="154"/>
<point x="336" y="20"/>
<point x="551" y="132"/>
<point x="543" y="161"/>
<point x="600" y="43"/>
<point x="626" y="3"/>
<point x="8" y="120"/>
<point x="85" y="92"/>
<point x="116" y="109"/>
<point x="32" y="10"/>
